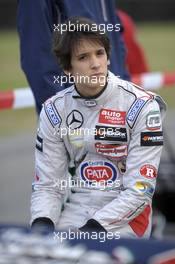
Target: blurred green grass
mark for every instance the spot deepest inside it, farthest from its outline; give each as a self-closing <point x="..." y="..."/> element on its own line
<point x="11" y="73"/>
<point x="13" y="121"/>
<point x="157" y="39"/>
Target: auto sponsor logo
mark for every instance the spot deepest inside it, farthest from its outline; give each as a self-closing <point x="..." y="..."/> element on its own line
<point x="74" y="120"/>
<point x="151" y="138"/>
<point x="148" y="171"/>
<point x="111" y="150"/>
<point x="108" y="116"/>
<point x="153" y="121"/>
<point x="145" y="188"/>
<point x="111" y="133"/>
<point x="98" y="171"/>
<point x="52" y="114"/>
<point x="135" y="109"/>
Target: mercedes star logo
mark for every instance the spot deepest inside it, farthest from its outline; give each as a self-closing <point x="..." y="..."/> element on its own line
<point x="74" y="119"/>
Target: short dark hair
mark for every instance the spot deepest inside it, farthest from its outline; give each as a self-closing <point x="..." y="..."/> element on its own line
<point x="78" y="28"/>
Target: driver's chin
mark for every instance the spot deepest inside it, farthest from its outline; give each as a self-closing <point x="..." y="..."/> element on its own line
<point x="97" y="82"/>
<point x="94" y="86"/>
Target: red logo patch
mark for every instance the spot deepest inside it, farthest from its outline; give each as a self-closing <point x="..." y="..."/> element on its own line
<point x="148" y="171"/>
<point x="98" y="173"/>
<point x="108" y="116"/>
<point x="113" y="151"/>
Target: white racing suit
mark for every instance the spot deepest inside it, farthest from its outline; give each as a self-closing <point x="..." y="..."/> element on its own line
<point x="114" y="141"/>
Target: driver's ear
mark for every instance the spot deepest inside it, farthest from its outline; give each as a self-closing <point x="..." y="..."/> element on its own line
<point x="108" y="63"/>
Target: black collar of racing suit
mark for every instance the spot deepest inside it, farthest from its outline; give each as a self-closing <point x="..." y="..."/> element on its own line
<point x="80" y="96"/>
<point x="99" y="99"/>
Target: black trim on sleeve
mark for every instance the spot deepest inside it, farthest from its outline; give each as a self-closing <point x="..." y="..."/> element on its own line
<point x="39" y="143"/>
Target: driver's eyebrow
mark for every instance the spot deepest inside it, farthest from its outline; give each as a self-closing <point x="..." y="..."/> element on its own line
<point x="83" y="53"/>
<point x="86" y="53"/>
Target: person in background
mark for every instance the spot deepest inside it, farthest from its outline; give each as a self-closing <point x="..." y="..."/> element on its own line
<point x="136" y="61"/>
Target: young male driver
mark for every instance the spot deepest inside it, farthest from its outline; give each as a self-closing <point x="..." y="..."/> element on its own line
<point x="113" y="139"/>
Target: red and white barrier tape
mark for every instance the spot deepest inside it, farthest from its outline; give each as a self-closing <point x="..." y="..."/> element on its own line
<point x="15" y="99"/>
<point x="23" y="97"/>
<point x="154" y="80"/>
